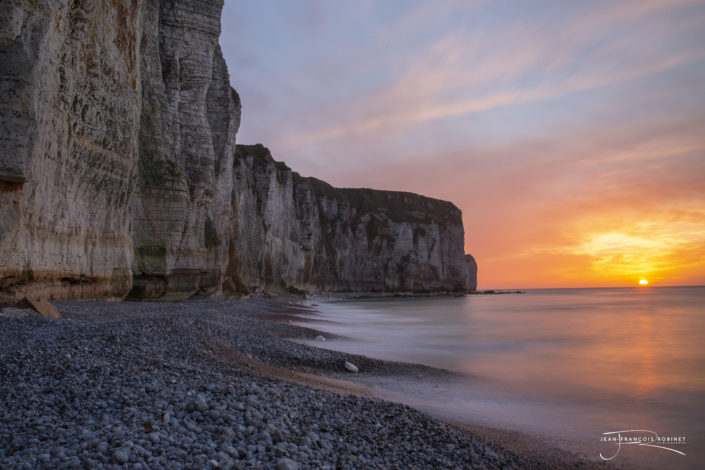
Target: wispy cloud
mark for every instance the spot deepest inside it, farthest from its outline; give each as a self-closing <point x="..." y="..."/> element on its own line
<point x="397" y="121"/>
<point x="468" y="69"/>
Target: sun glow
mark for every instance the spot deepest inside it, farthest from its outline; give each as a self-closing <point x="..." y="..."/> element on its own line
<point x="602" y="250"/>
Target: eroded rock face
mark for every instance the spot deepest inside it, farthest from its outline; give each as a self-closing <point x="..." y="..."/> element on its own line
<point x="69" y="113"/>
<point x="115" y="174"/>
<point x="119" y="172"/>
<point x="293" y="232"/>
<point x="471" y="282"/>
<point x="189" y="118"/>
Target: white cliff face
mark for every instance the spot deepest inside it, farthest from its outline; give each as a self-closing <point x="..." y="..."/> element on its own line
<point x="116" y="165"/>
<point x="189" y="119"/>
<point x="267" y="242"/>
<point x="119" y="172"/>
<point x="69" y="113"/>
<point x="290" y="232"/>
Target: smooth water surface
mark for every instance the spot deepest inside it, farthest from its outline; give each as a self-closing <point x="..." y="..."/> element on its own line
<point x="566" y="364"/>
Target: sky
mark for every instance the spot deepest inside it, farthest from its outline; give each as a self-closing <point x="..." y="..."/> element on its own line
<point x="571" y="134"/>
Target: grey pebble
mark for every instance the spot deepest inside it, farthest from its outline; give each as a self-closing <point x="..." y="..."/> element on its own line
<point x="121" y="455"/>
<point x="286" y="464"/>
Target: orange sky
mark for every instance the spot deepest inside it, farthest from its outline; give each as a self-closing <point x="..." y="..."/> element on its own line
<point x="621" y="208"/>
<point x="570" y="134"/>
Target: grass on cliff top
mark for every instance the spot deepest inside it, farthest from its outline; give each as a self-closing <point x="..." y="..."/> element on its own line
<point x="399" y="206"/>
<point x="261" y="157"/>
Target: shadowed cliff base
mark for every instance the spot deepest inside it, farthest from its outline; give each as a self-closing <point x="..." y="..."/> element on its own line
<point x="16" y="284"/>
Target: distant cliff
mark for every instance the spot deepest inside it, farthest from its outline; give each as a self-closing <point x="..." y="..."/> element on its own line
<point x="119" y="173"/>
<point x="290" y="231"/>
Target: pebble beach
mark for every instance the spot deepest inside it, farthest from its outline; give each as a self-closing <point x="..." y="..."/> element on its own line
<point x="211" y="384"/>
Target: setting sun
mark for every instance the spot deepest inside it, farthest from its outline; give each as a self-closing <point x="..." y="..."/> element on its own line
<point x="643" y="282"/>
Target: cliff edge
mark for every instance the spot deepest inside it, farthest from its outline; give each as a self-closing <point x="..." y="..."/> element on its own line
<point x="120" y="175"/>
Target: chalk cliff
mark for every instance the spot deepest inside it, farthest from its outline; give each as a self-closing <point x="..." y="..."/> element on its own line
<point x="289" y="231"/>
<point x="70" y="98"/>
<point x="119" y="173"/>
<point x="188" y="121"/>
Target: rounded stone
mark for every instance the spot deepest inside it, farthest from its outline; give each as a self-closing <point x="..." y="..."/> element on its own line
<point x="121" y="455"/>
<point x="286" y="464"/>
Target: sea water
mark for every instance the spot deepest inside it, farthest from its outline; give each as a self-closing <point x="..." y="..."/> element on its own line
<point x="565" y="366"/>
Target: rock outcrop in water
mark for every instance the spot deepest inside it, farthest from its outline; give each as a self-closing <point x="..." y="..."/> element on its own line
<point x="471" y="266"/>
<point x="119" y="172"/>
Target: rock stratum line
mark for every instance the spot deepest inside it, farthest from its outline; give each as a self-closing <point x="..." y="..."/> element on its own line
<point x="120" y="175"/>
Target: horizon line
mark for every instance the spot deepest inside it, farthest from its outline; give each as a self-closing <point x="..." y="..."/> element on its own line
<point x="587" y="287"/>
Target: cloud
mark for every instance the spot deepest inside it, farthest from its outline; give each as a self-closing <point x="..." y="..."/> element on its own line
<point x="466" y="72"/>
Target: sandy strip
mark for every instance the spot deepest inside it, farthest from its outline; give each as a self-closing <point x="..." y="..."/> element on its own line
<point x="224" y="353"/>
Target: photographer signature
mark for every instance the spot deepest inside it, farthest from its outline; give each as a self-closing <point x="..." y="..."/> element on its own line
<point x="639" y="437"/>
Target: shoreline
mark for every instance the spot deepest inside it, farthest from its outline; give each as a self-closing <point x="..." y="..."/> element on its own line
<point x="532" y="446"/>
<point x="342" y="295"/>
<point x="221" y="369"/>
